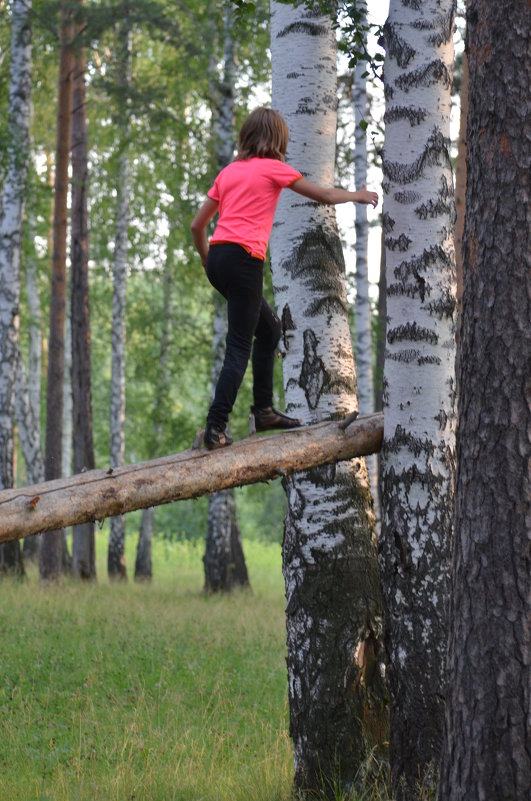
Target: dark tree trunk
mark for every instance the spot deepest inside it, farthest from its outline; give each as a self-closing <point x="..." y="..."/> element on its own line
<point x="83" y="550"/>
<point x="51" y="553"/>
<point x="487" y="738"/>
<point x="224" y="560"/>
<point x="143" y="566"/>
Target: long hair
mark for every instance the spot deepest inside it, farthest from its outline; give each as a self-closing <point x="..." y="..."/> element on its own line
<point x="264" y="134"/>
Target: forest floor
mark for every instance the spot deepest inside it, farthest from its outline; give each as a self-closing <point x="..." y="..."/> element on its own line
<point x="135" y="692"/>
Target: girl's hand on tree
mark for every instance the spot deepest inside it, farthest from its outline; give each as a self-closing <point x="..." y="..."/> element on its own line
<point x="368" y="197"/>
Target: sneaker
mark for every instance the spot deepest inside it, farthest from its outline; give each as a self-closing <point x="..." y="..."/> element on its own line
<point x="216" y="437"/>
<point x="266" y="419"/>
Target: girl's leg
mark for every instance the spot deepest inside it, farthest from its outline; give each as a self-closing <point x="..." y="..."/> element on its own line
<point x="238" y="276"/>
<point x="267" y="335"/>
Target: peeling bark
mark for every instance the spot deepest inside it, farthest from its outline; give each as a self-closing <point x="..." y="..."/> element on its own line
<point x="417" y="462"/>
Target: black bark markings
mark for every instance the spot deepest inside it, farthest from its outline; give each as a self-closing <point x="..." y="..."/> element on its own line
<point x="305" y="27"/>
<point x="287" y="325"/>
<point x="436" y="150"/>
<point x="435" y="72"/>
<point x="413" y="333"/>
<point x="314" y="378"/>
<point x="396" y="46"/>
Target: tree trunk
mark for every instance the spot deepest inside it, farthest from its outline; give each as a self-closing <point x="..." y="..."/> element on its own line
<point x="98" y="494"/>
<point x="223" y="560"/>
<point x="51" y="552"/>
<point x="116" y="553"/>
<point x="487" y="744"/>
<point x="29" y="434"/>
<point x="460" y="184"/>
<point x="83" y="548"/>
<point x="11" y="220"/>
<point x="223" y="548"/>
<point x="329" y="554"/>
<point x="418" y="454"/>
<point x="143" y="566"/>
<point x="28" y="396"/>
<point x="364" y="371"/>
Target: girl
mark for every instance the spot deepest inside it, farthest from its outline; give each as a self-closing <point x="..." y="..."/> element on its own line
<point x="245" y="194"/>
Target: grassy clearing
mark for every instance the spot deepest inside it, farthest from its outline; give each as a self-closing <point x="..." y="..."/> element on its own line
<point x="147" y="693"/>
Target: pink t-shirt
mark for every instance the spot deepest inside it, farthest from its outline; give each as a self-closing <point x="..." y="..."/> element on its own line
<point x="247" y="192"/>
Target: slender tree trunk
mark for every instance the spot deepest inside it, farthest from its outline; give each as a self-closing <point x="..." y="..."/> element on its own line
<point x="487" y="745"/>
<point x="51" y="552"/>
<point x="223" y="549"/>
<point x="418" y="454"/>
<point x="35" y="340"/>
<point x="29" y="433"/>
<point x="116" y="553"/>
<point x="329" y="556"/>
<point x="11" y="219"/>
<point x="83" y="548"/>
<point x="364" y="371"/>
<point x="143" y="564"/>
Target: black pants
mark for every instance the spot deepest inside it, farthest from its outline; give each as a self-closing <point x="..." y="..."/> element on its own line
<point x="239" y="278"/>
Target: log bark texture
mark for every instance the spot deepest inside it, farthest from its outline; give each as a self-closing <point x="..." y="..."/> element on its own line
<point x="97" y="494"/>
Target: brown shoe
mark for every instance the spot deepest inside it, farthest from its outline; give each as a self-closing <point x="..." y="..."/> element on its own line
<point x="216" y="437"/>
<point x="267" y="419"/>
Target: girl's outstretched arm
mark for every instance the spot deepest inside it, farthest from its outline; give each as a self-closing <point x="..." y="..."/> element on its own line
<point x="332" y="196"/>
<point x="199" y="226"/>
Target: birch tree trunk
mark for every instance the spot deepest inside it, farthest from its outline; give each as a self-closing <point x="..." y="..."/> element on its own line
<point x="51" y="552"/>
<point x="83" y="548"/>
<point x="35" y="339"/>
<point x="418" y="454"/>
<point x="116" y="553"/>
<point x="329" y="556"/>
<point x="143" y="564"/>
<point x="224" y="562"/>
<point x="29" y="434"/>
<point x="11" y="219"/>
<point x="487" y="744"/>
<point x="364" y="371"/>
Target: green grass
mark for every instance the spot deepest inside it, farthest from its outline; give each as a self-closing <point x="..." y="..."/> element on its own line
<point x="127" y="692"/>
<point x="145" y="692"/>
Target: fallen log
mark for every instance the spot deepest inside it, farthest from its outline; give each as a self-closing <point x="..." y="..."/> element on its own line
<point x="97" y="494"/>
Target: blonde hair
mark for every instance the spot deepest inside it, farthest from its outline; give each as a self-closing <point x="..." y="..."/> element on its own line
<point x="264" y="134"/>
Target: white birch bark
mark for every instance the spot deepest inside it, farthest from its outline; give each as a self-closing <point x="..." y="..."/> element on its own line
<point x="29" y="435"/>
<point x="116" y="557"/>
<point x="418" y="455"/>
<point x="10" y="242"/>
<point x="35" y="339"/>
<point x="329" y="559"/>
<point x="364" y="371"/>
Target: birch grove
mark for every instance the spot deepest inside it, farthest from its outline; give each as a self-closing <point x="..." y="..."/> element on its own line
<point x="329" y="555"/>
<point x="418" y="454"/>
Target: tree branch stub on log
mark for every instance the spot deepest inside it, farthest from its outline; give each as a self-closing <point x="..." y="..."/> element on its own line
<point x="97" y="494"/>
